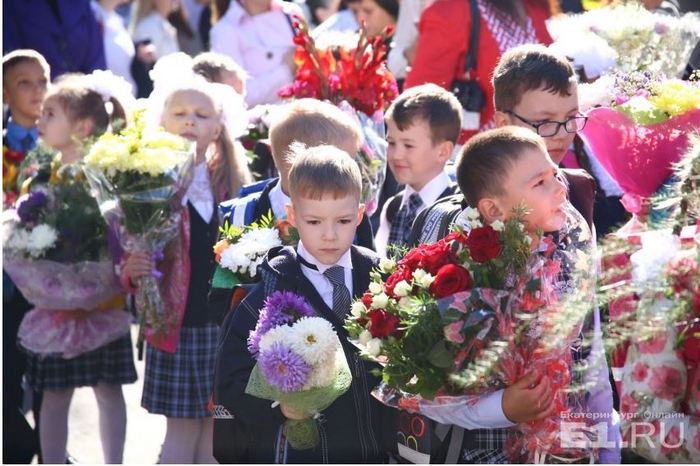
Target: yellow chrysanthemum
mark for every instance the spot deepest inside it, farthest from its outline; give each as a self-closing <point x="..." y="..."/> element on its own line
<point x="676" y="97"/>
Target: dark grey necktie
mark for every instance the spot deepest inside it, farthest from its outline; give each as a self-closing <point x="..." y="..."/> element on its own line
<point x="341" y="295"/>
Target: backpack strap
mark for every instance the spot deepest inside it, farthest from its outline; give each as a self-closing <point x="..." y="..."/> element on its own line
<point x="240" y="211"/>
<point x="392" y="206"/>
<point x="434" y="222"/>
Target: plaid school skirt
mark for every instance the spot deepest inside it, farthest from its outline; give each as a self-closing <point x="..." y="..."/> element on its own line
<point x="180" y="384"/>
<point x="111" y="364"/>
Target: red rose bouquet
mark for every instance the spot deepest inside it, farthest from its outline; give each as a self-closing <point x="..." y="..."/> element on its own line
<point x="355" y="78"/>
<point x="468" y="315"/>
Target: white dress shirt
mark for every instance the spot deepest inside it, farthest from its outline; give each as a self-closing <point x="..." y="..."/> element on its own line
<point x="119" y="48"/>
<point x="259" y="44"/>
<point x="323" y="285"/>
<point x="200" y="194"/>
<point x="429" y="194"/>
<point x="278" y="201"/>
<point x="160" y="32"/>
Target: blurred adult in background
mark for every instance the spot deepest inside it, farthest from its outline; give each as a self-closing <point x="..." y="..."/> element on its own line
<point x="154" y="36"/>
<point x="443" y="43"/>
<point x="65" y="32"/>
<point x="119" y="48"/>
<point x="378" y="14"/>
<point x="258" y="35"/>
<point x="404" y="42"/>
<point x="345" y="20"/>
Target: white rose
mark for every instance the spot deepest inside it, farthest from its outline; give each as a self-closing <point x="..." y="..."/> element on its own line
<point x="402" y="288"/>
<point x="365" y="337"/>
<point x="474" y="224"/>
<point x="375" y="288"/>
<point x="387" y="265"/>
<point x="374" y="347"/>
<point x="405" y="302"/>
<point x="380" y="301"/>
<point x="357" y="309"/>
<point x="423" y="278"/>
<point x="498" y="225"/>
<point x="471" y="213"/>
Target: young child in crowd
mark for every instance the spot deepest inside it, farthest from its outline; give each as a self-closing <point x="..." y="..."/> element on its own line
<point x="497" y="171"/>
<point x="25" y="80"/>
<point x="72" y="113"/>
<point x="179" y="373"/>
<point x="534" y="88"/>
<point x="324" y="185"/>
<point x="220" y="68"/>
<point x="423" y="125"/>
<point x="310" y="122"/>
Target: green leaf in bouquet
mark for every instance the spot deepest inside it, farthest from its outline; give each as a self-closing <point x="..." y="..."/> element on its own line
<point x="224" y="278"/>
<point x="440" y="356"/>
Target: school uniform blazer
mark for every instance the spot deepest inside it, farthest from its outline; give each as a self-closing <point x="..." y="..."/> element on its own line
<point x="352" y="424"/>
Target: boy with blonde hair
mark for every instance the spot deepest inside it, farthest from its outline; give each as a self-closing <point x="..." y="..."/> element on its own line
<point x="326" y="269"/>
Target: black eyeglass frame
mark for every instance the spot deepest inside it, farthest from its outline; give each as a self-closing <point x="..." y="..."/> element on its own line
<point x="559" y="123"/>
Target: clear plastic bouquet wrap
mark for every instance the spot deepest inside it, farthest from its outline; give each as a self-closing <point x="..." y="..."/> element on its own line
<point x="55" y="251"/>
<point x="643" y="40"/>
<point x="654" y="298"/>
<point x="351" y="72"/>
<point x="471" y="314"/>
<point x="139" y="178"/>
<point x="300" y="363"/>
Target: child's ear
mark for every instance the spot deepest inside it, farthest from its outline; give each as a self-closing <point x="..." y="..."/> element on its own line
<point x="291" y="214"/>
<point x="445" y="151"/>
<point x="84" y="128"/>
<point x="490" y="209"/>
<point x="501" y="119"/>
<point x="360" y="213"/>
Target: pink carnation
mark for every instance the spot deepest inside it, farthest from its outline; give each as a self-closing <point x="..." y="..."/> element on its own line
<point x="653" y="345"/>
<point x="629" y="405"/>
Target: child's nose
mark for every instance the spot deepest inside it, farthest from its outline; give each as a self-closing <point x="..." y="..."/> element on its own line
<point x="329" y="232"/>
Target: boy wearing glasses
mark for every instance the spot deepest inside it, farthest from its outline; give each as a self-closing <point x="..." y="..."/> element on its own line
<point x="536" y="89"/>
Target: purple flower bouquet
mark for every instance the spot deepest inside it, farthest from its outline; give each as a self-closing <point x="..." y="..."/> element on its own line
<point x="300" y="363"/>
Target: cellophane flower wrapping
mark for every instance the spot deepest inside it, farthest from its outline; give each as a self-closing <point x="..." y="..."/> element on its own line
<point x="642" y="129"/>
<point x="470" y="314"/>
<point x="643" y="40"/>
<point x="55" y="251"/>
<point x="300" y="363"/>
<point x="350" y="71"/>
<point x="139" y="178"/>
<point x="657" y="336"/>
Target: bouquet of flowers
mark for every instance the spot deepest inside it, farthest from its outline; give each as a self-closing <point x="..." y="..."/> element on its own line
<point x="468" y="315"/>
<point x="139" y="178"/>
<point x="643" y="40"/>
<point x="300" y="363"/>
<point x="654" y="302"/>
<point x="641" y="130"/>
<point x="357" y="75"/>
<point x="11" y="160"/>
<point x="55" y="249"/>
<point x="241" y="250"/>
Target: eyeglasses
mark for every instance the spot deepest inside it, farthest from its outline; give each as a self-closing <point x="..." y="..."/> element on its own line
<point x="549" y="128"/>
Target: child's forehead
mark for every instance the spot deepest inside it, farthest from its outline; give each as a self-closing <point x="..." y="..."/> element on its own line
<point x="545" y="101"/>
<point x="326" y="199"/>
<point x="26" y="67"/>
<point x="417" y="124"/>
<point x="195" y="97"/>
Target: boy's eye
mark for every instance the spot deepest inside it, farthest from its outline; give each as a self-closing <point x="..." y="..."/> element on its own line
<point x="344" y="221"/>
<point x="312" y="222"/>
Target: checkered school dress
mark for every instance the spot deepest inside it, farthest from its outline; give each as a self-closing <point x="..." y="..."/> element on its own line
<point x="111" y="364"/>
<point x="180" y="384"/>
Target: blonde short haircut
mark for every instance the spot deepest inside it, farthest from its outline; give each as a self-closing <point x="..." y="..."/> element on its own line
<point x="321" y="170"/>
<point x="211" y="65"/>
<point x="311" y="122"/>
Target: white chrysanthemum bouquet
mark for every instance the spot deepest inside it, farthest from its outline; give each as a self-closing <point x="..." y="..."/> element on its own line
<point x="300" y="363"/>
<point x="139" y="177"/>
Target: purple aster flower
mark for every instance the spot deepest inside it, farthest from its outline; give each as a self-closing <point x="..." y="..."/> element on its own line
<point x="280" y="308"/>
<point x="29" y="206"/>
<point x="283" y="368"/>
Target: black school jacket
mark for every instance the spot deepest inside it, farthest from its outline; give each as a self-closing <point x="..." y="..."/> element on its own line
<point x="351" y="428"/>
